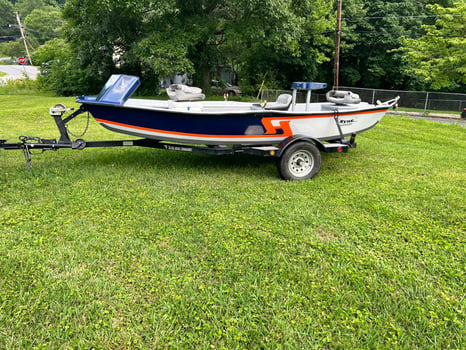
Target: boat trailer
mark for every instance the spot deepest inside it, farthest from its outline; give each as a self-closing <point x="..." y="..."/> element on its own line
<point x="298" y="155"/>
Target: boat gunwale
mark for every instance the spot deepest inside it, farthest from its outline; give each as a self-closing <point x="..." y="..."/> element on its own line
<point x="368" y="109"/>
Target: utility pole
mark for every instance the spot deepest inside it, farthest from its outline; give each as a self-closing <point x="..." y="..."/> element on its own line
<point x="23" y="37"/>
<point x="337" y="47"/>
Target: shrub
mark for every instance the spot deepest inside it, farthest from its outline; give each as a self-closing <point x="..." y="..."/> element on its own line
<point x="59" y="69"/>
<point x="25" y="85"/>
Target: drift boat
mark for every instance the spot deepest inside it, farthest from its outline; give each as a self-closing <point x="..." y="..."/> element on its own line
<point x="229" y="122"/>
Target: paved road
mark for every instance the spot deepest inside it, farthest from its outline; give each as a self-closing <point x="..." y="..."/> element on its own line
<point x="458" y="121"/>
<point x="440" y="118"/>
<point x="17" y="72"/>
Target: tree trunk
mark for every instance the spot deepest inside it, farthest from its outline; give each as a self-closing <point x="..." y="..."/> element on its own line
<point x="204" y="79"/>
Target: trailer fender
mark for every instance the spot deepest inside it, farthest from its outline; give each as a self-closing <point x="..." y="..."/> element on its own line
<point x="299" y="138"/>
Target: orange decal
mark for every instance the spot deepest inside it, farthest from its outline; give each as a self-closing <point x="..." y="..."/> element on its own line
<point x="271" y="126"/>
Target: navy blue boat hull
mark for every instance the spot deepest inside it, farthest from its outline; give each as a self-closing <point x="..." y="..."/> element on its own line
<point x="253" y="128"/>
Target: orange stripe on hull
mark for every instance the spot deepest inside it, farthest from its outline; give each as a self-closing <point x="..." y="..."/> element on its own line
<point x="281" y="123"/>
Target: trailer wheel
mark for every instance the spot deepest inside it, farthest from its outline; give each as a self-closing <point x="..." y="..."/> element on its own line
<point x="300" y="161"/>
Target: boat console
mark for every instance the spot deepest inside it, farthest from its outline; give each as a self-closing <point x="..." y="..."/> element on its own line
<point x="308" y="86"/>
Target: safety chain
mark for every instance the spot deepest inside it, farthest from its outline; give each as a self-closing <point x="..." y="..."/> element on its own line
<point x="85" y="130"/>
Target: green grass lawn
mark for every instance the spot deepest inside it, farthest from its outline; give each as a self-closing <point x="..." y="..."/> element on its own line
<point x="140" y="248"/>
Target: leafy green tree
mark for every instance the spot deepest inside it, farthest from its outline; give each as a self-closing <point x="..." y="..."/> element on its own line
<point x="371" y="30"/>
<point x="303" y="55"/>
<point x="439" y="56"/>
<point x="44" y="25"/>
<point x="13" y="49"/>
<point x="55" y="3"/>
<point x="25" y="7"/>
<point x="9" y="32"/>
<point x="103" y="35"/>
<point x="59" y="70"/>
<point x="160" y="38"/>
<point x="278" y="40"/>
<point x="7" y="18"/>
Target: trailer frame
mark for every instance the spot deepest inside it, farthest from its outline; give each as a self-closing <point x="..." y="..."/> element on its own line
<point x="299" y="161"/>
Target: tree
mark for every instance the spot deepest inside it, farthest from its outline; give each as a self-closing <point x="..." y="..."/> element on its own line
<point x="55" y="3"/>
<point x="439" y="56"/>
<point x="7" y="33"/>
<point x="279" y="64"/>
<point x="59" y="70"/>
<point x="25" y="7"/>
<point x="13" y="49"/>
<point x="160" y="38"/>
<point x="103" y="35"/>
<point x="371" y="31"/>
<point x="44" y="25"/>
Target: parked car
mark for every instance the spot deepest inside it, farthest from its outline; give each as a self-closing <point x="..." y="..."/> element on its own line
<point x="222" y="87"/>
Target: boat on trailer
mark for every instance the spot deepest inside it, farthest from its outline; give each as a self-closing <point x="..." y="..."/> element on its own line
<point x="229" y="122"/>
<point x="293" y="132"/>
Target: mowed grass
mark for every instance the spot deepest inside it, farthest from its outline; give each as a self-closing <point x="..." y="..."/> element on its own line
<point x="131" y="248"/>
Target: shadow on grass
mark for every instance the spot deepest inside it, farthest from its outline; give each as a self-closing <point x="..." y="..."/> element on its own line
<point x="145" y="160"/>
<point x="133" y="160"/>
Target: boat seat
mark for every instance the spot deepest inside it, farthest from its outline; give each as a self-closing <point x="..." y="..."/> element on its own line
<point x="282" y="103"/>
<point x="180" y="92"/>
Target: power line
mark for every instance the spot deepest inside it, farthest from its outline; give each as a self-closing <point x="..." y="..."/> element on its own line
<point x="29" y="30"/>
<point x="406" y="34"/>
<point x="396" y="17"/>
<point x="385" y="17"/>
<point x="388" y="33"/>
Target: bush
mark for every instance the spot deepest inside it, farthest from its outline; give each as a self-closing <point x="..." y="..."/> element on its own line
<point x="12" y="49"/>
<point x="25" y="85"/>
<point x="59" y="69"/>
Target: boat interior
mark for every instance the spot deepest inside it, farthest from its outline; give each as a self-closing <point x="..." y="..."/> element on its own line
<point x="282" y="104"/>
<point x="119" y="88"/>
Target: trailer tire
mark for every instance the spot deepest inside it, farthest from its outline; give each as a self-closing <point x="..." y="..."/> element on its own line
<point x="299" y="161"/>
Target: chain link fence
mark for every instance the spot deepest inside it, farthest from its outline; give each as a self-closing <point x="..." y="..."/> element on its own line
<point x="434" y="101"/>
